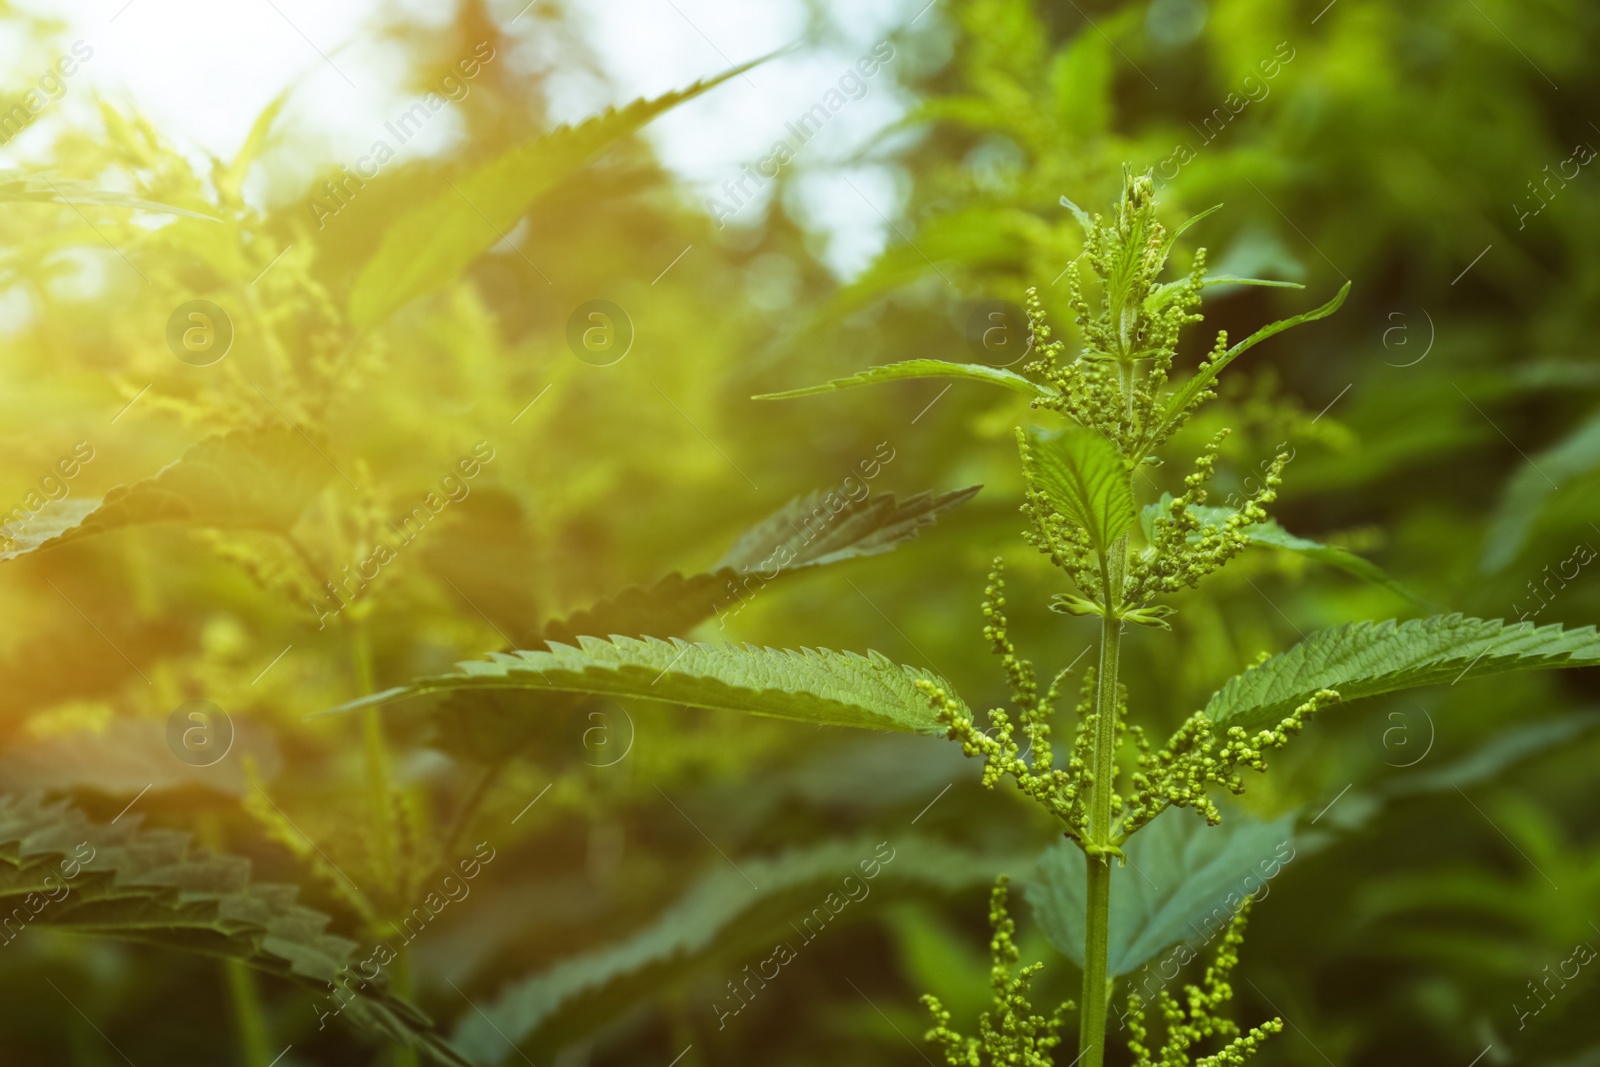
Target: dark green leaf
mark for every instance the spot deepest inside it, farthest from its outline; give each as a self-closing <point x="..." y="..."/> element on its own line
<point x="726" y="914"/>
<point x="1183" y="881"/>
<point x="247" y="479"/>
<point x="812" y="531"/>
<point x="481" y="724"/>
<point x="1366" y="658"/>
<point x="829" y="527"/>
<point x="147" y="886"/>
<point x="1485" y="763"/>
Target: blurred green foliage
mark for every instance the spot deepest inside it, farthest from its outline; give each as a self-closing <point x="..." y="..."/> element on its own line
<point x="1442" y="425"/>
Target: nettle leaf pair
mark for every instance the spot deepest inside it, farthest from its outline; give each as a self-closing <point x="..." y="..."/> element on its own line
<point x="1111" y="405"/>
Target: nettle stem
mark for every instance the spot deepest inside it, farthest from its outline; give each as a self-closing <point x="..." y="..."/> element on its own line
<point x="1097" y="918"/>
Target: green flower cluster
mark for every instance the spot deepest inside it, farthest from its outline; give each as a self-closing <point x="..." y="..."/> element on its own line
<point x="1011" y="1034"/>
<point x="1081" y="508"/>
<point x="1134" y="322"/>
<point x="1177" y="776"/>
<point x="1197" y="1019"/>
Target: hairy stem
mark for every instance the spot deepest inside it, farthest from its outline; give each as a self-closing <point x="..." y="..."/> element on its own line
<point x="1096" y="990"/>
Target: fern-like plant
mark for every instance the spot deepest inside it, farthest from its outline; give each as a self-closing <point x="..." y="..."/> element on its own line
<point x="1106" y="411"/>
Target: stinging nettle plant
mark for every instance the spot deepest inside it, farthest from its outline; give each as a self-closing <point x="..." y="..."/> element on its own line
<point x="1111" y="407"/>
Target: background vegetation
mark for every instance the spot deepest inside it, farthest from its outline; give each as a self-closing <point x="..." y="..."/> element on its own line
<point x="1444" y="424"/>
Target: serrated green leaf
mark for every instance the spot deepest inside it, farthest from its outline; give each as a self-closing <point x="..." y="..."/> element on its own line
<point x="1367" y="658"/>
<point x="147" y="886"/>
<point x="1208" y="371"/>
<point x="667" y="607"/>
<point x="1082" y="476"/>
<point x="1182" y="882"/>
<point x="246" y="479"/>
<point x="811" y="531"/>
<point x="828" y="527"/>
<point x="1270" y="533"/>
<point x="430" y="246"/>
<point x="810" y="685"/>
<point x="920" y="368"/>
<point x="727" y="914"/>
<point x="481" y="724"/>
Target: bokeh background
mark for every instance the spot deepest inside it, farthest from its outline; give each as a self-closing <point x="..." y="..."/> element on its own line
<point x="1444" y="424"/>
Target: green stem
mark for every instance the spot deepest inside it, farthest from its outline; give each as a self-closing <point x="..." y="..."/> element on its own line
<point x="1097" y="906"/>
<point x="402" y="985"/>
<point x="252" y="1022"/>
<point x="379" y="783"/>
<point x="380" y="789"/>
<point x="469" y="808"/>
